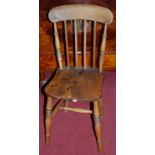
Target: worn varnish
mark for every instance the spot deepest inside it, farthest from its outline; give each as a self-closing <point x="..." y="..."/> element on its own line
<point x="79" y="79"/>
<point x="76" y="84"/>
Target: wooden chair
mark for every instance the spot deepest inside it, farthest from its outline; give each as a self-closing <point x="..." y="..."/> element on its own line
<point x="75" y="83"/>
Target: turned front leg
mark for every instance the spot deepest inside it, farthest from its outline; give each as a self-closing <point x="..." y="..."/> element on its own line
<point x="48" y="120"/>
<point x="101" y="107"/>
<point x="97" y="124"/>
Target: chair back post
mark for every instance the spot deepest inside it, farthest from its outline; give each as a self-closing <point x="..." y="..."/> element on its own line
<point x="102" y="49"/>
<point x="57" y="45"/>
<point x="66" y="44"/>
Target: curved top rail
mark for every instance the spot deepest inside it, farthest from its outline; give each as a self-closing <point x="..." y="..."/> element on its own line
<point x="81" y="11"/>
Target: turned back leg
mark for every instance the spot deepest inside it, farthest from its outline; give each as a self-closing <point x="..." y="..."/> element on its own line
<point x="48" y="120"/>
<point x="97" y="124"/>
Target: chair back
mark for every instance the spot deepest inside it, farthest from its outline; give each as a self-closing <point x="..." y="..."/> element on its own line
<point x="85" y="13"/>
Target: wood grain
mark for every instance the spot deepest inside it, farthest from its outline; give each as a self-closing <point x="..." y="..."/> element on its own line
<point x="81" y="11"/>
<point x="66" y="84"/>
<point x="79" y="110"/>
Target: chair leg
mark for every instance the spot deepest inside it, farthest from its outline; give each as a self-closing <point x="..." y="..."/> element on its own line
<point x="97" y="124"/>
<point x="48" y="120"/>
<point x="101" y="107"/>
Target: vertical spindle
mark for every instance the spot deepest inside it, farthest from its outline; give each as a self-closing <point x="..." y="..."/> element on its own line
<point x="84" y="45"/>
<point x="94" y="42"/>
<point x="75" y="40"/>
<point x="66" y="43"/>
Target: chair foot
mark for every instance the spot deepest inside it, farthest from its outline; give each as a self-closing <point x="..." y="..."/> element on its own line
<point x="97" y="125"/>
<point x="48" y="120"/>
<point x="47" y="140"/>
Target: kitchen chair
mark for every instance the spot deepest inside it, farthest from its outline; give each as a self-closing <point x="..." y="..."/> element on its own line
<point x="74" y="82"/>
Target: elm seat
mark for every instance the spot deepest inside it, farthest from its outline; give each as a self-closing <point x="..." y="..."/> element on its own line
<point x="75" y="84"/>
